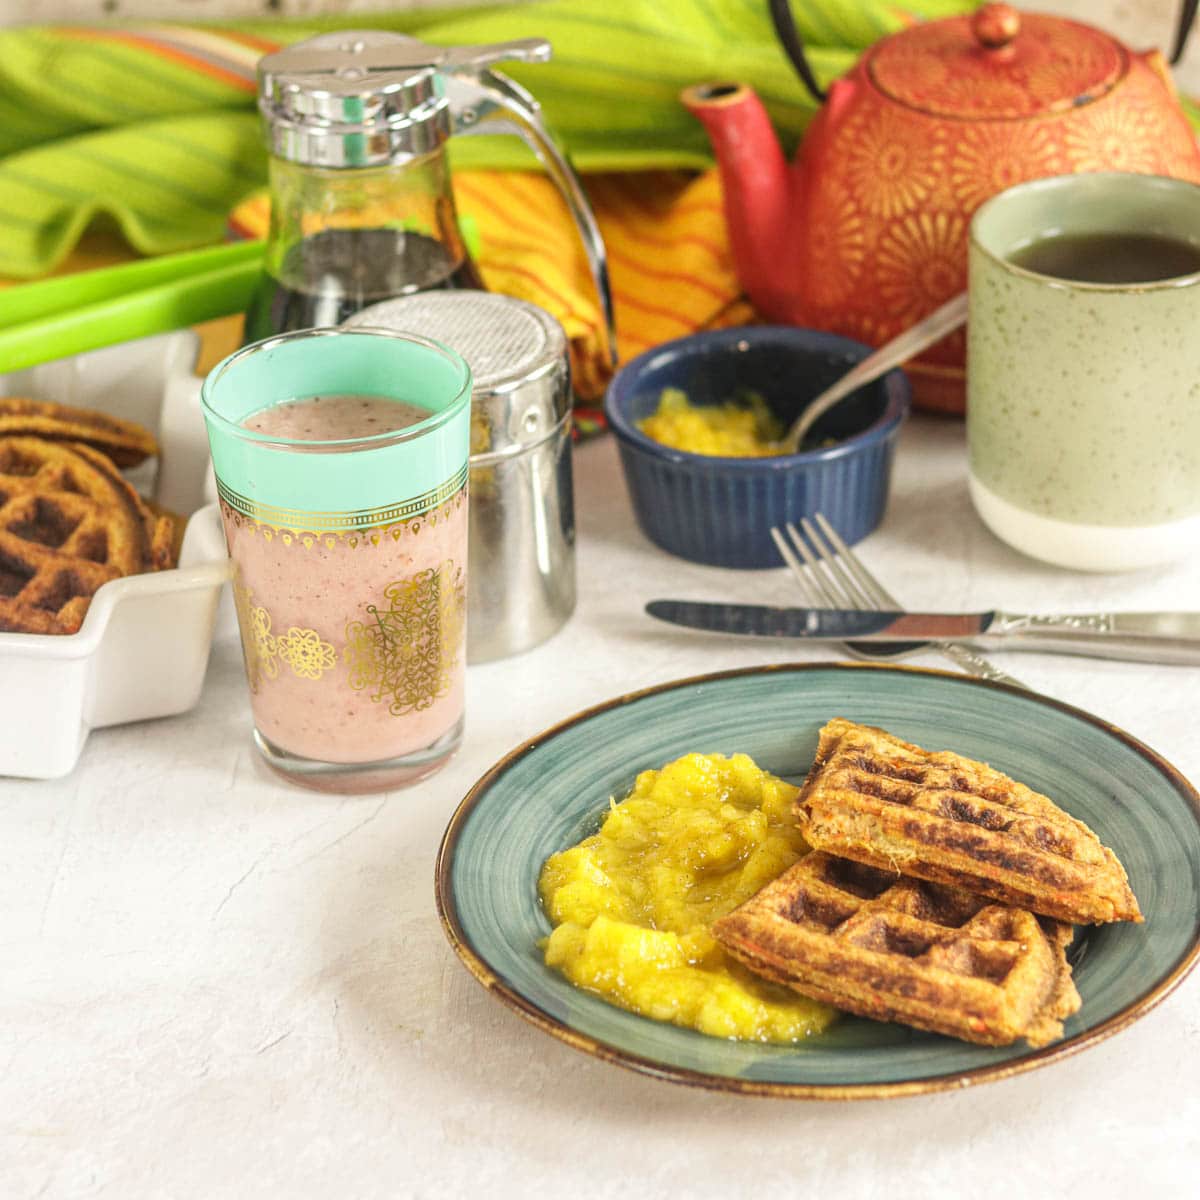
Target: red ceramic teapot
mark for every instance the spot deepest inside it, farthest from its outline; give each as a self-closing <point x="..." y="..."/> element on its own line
<point x="866" y="232"/>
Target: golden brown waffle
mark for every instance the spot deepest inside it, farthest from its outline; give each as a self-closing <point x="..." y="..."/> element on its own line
<point x="125" y="442"/>
<point x="897" y="949"/>
<point x="949" y="819"/>
<point x="68" y="523"/>
<point x="159" y="526"/>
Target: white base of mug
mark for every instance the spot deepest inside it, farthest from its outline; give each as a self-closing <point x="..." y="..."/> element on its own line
<point x="1085" y="547"/>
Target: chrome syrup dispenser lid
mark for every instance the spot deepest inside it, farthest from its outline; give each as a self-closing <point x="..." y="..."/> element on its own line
<point x="517" y="353"/>
<point x="370" y="98"/>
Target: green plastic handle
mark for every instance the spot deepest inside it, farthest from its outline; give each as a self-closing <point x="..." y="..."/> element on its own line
<point x="69" y="314"/>
<point x="216" y="291"/>
<point x="29" y="301"/>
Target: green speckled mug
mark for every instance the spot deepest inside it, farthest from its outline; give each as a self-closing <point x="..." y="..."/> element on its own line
<point x="1083" y="399"/>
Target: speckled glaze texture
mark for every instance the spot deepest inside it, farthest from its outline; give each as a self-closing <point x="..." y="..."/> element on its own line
<point x="720" y="510"/>
<point x="1083" y="399"/>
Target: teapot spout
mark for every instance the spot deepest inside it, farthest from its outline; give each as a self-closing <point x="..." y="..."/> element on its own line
<point x="755" y="182"/>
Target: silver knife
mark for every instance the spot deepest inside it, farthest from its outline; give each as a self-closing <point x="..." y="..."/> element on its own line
<point x="1166" y="637"/>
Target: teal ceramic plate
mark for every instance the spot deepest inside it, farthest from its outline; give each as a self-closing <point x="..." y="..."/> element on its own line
<point x="549" y="792"/>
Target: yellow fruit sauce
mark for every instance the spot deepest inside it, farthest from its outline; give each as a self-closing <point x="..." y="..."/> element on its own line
<point x="732" y="430"/>
<point x="632" y="905"/>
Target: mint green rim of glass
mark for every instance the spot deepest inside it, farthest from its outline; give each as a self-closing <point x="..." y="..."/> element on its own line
<point x="552" y="790"/>
<point x="443" y="375"/>
<point x="343" y="483"/>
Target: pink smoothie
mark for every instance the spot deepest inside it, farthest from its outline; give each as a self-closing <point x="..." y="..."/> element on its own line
<point x="355" y="642"/>
<point x="324" y="418"/>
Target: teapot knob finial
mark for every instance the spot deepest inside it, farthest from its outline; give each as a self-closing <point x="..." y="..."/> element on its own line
<point x="995" y="25"/>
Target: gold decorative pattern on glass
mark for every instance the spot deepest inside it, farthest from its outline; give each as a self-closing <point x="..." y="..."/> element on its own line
<point x="259" y="646"/>
<point x="379" y="535"/>
<point x="407" y="649"/>
<point x="306" y="653"/>
<point x="303" y="650"/>
<point x="313" y="526"/>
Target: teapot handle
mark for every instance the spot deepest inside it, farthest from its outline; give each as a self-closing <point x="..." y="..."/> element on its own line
<point x="1187" y="15"/>
<point x="793" y="47"/>
<point x="488" y="102"/>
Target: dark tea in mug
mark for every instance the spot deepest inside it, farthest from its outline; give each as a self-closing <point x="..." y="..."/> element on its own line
<point x="1109" y="257"/>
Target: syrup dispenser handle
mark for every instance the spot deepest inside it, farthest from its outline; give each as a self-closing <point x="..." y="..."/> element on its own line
<point x="474" y="58"/>
<point x="483" y="101"/>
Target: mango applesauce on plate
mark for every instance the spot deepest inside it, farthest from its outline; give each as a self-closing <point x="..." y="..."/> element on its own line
<point x="632" y="905"/>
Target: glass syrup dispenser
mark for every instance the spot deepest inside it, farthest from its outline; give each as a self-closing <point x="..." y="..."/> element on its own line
<point x="362" y="207"/>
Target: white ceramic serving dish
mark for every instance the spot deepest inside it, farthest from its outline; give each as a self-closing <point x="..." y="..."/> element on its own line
<point x="142" y="650"/>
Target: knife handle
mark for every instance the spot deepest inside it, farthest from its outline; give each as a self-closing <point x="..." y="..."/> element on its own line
<point x="1009" y="624"/>
<point x="1097" y="635"/>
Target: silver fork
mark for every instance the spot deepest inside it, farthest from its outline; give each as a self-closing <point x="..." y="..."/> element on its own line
<point x="829" y="570"/>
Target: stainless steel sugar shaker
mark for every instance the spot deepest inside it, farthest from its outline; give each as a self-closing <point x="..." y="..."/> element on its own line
<point x="521" y="565"/>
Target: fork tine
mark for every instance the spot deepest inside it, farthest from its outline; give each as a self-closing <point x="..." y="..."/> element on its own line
<point x="853" y="596"/>
<point x="796" y="567"/>
<point x="815" y="579"/>
<point x="817" y="573"/>
<point x="877" y="597"/>
<point x="876" y="593"/>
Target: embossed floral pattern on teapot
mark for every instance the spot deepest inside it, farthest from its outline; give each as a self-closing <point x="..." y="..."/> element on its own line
<point x="866" y="232"/>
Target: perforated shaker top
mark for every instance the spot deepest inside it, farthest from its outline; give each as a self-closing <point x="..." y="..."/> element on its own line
<point x="504" y="340"/>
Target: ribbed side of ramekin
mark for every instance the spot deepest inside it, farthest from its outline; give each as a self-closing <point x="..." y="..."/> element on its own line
<point x="722" y="516"/>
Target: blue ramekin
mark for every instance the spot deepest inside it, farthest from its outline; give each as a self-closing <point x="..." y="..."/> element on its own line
<point x="720" y="510"/>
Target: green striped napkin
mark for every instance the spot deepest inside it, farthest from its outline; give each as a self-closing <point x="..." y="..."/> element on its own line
<point x="153" y="126"/>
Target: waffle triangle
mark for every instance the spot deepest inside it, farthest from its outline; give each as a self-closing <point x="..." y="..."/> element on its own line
<point x="899" y="949"/>
<point x="941" y="817"/>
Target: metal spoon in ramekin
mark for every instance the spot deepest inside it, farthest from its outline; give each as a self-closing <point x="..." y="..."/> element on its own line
<point x="891" y="354"/>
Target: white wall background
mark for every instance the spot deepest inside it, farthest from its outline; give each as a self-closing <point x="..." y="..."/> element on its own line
<point x="15" y="11"/>
<point x="1141" y="23"/>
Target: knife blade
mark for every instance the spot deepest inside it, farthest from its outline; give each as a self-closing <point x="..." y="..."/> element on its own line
<point x="1165" y="637"/>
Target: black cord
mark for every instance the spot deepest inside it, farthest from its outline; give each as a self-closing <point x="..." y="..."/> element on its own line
<point x="789" y="39"/>
<point x="1187" y="14"/>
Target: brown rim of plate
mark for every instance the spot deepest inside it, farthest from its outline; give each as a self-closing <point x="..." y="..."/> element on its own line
<point x="448" y="915"/>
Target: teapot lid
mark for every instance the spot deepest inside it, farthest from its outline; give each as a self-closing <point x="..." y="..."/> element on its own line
<point x="997" y="63"/>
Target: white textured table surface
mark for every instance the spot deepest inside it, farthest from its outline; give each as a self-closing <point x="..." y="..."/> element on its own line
<point x="212" y="984"/>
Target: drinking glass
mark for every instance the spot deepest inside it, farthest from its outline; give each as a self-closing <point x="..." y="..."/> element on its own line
<point x="350" y="555"/>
